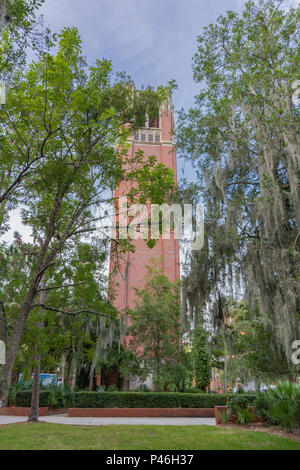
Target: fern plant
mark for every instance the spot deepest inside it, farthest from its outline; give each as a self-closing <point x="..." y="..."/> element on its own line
<point x="284" y="405"/>
<point x="13" y="390"/>
<point x="244" y="416"/>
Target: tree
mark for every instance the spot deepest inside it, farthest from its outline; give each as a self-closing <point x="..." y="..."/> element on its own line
<point x="72" y="123"/>
<point x="244" y="347"/>
<point x="243" y="137"/>
<point x="202" y="362"/>
<point x="21" y="30"/>
<point x="254" y="346"/>
<point x="65" y="323"/>
<point x="155" y="329"/>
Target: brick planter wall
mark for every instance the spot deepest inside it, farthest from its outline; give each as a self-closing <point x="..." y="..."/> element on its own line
<point x="21" y="411"/>
<point x="142" y="412"/>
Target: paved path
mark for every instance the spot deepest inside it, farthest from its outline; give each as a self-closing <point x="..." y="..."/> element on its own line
<point x="64" y="419"/>
<point x="12" y="419"/>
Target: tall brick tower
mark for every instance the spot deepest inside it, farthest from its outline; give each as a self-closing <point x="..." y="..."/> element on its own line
<point x="154" y="139"/>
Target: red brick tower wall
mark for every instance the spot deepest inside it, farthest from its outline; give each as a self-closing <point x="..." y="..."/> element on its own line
<point x="158" y="142"/>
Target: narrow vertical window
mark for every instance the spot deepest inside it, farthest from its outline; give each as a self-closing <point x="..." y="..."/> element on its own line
<point x="154" y="123"/>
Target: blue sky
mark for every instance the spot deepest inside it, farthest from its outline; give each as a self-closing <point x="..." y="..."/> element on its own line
<point x="152" y="40"/>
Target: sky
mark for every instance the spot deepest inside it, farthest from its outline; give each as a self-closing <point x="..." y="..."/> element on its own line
<point x="153" y="41"/>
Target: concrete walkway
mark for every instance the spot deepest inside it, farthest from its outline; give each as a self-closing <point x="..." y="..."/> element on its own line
<point x="64" y="419"/>
<point x="12" y="419"/>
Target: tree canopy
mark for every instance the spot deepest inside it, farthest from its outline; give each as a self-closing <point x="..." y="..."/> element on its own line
<point x="155" y="329"/>
<point x="243" y="138"/>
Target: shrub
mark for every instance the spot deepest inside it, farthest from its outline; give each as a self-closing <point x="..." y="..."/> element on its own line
<point x="60" y="397"/>
<point x="23" y="398"/>
<point x="244" y="415"/>
<point x="54" y="397"/>
<point x="68" y="396"/>
<point x="261" y="405"/>
<point x="152" y="400"/>
<point x="283" y="404"/>
<point x="238" y="402"/>
<point x="13" y="391"/>
<point x="132" y="399"/>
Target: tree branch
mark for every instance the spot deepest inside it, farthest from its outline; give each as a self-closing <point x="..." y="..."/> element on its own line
<point x="64" y="312"/>
<point x="60" y="287"/>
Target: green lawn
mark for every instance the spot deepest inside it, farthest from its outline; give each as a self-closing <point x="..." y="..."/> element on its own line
<point x="59" y="436"/>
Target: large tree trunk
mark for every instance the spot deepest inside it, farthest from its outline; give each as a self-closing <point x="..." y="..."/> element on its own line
<point x="99" y="378"/>
<point x="16" y="338"/>
<point x="74" y="369"/>
<point x="13" y="349"/>
<point x="20" y="324"/>
<point x="91" y="381"/>
<point x="35" y="397"/>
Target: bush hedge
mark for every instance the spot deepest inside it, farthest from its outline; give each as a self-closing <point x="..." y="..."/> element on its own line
<point x="151" y="400"/>
<point x="23" y="398"/>
<point x="136" y="399"/>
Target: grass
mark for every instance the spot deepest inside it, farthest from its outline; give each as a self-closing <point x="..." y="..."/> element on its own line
<point x="48" y="436"/>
